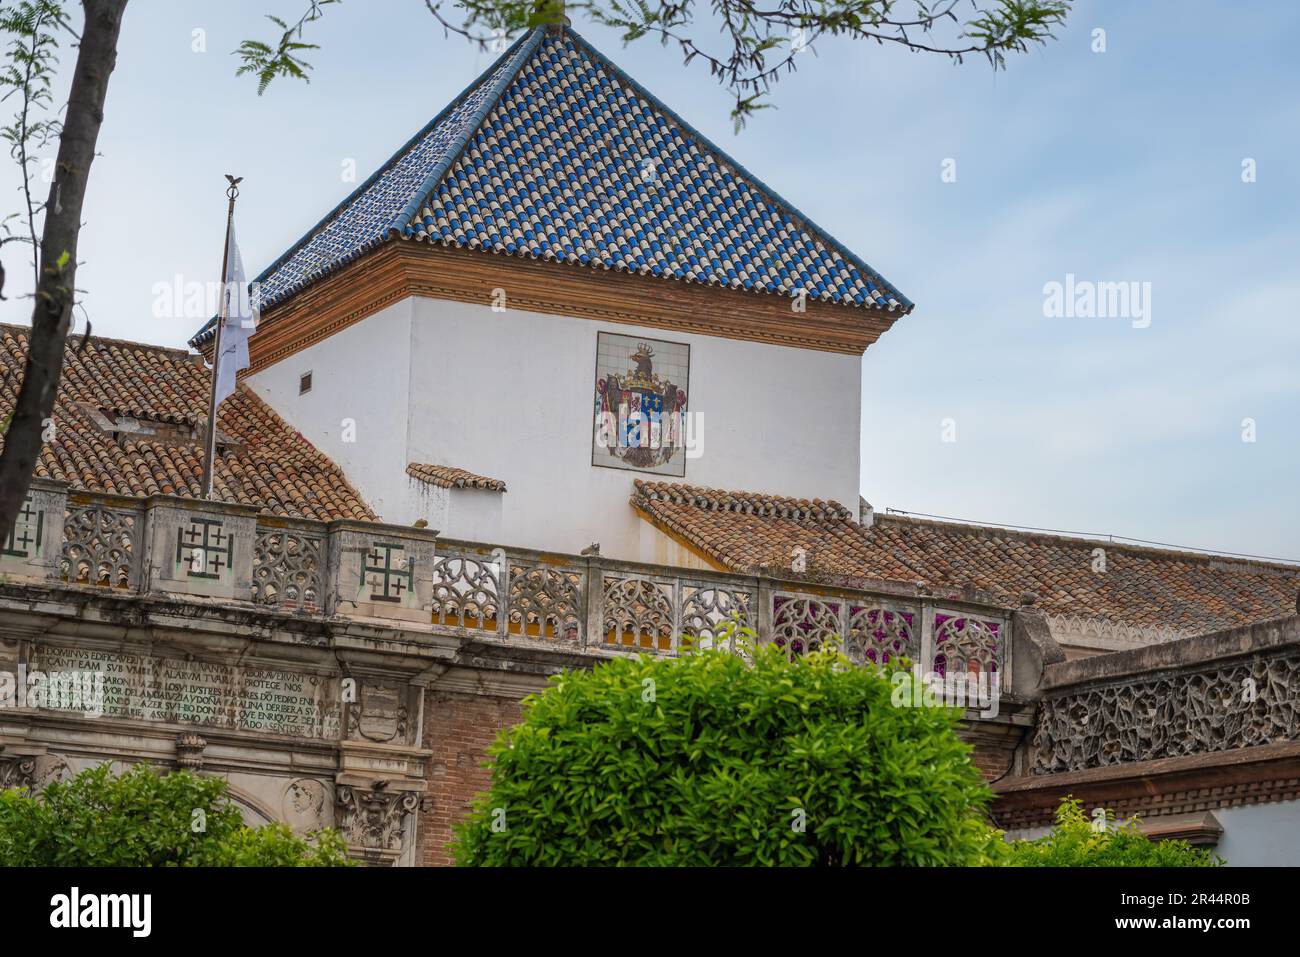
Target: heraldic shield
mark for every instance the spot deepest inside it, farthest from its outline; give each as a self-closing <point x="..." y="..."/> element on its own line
<point x="640" y="414"/>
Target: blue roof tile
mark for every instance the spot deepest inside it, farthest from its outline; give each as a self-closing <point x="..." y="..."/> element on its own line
<point x="556" y="154"/>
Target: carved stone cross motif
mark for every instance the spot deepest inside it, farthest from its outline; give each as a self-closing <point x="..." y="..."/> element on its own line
<point x="387" y="571"/>
<point x="204" y="548"/>
<point x="26" y="534"/>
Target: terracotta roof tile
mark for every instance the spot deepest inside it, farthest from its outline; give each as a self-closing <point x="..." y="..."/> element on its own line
<point x="448" y="476"/>
<point x="1140" y="586"/>
<point x="263" y="461"/>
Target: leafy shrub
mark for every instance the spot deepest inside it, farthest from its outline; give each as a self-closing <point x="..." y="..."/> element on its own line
<point x="275" y="845"/>
<point x="1074" y="842"/>
<point x="145" y="819"/>
<point x="710" y="759"/>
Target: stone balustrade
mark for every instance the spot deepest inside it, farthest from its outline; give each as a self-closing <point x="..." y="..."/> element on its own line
<point x="348" y="673"/>
<point x="1224" y="691"/>
<point x="411" y="578"/>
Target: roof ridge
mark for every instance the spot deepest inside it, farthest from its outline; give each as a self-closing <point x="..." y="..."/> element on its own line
<point x="378" y="171"/>
<point x="1179" y="553"/>
<point x="181" y="353"/>
<point x="750" y="503"/>
<point x="397" y="154"/>
<point x="528" y="44"/>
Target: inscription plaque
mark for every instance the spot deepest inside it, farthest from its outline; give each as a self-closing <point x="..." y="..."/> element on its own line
<point x="155" y="688"/>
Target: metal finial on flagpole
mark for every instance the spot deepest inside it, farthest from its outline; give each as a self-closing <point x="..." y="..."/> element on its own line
<point x="210" y="450"/>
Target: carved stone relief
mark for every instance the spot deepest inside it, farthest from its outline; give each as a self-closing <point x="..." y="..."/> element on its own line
<point x="1218" y="709"/>
<point x="374" y="817"/>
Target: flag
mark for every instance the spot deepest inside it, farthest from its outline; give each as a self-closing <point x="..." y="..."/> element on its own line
<point x="239" y="323"/>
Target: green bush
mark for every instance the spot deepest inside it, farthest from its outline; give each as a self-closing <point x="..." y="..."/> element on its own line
<point x="709" y="759"/>
<point x="275" y="845"/>
<point x="146" y="819"/>
<point x="1074" y="842"/>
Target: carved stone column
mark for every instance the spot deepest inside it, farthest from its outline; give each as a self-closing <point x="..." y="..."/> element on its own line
<point x="31" y="772"/>
<point x="372" y="817"/>
<point x="18" y="772"/>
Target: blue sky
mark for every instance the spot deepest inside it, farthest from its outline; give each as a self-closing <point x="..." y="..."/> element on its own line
<point x="1122" y="166"/>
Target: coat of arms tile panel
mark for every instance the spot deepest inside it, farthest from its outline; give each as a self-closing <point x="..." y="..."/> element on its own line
<point x="640" y="404"/>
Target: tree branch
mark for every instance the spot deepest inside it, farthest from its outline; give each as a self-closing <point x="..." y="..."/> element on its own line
<point x="752" y="35"/>
<point x="55" y="290"/>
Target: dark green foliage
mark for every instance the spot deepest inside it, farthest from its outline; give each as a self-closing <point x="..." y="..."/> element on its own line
<point x="1075" y="843"/>
<point x="275" y="845"/>
<point x="146" y="819"/>
<point x="712" y="760"/>
<point x="284" y="58"/>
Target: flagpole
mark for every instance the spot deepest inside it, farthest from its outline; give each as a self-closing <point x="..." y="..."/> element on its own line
<point x="210" y="452"/>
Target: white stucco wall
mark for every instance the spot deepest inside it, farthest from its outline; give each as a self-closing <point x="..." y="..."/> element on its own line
<point x="477" y="514"/>
<point x="510" y="395"/>
<point x="360" y="374"/>
<point x="1260" y="835"/>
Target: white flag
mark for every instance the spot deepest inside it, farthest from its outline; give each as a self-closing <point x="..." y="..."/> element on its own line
<point x="239" y="325"/>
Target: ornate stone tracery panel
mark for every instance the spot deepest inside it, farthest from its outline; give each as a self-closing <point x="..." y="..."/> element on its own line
<point x="288" y="569"/>
<point x="100" y="546"/>
<point x="802" y="623"/>
<point x="708" y="606"/>
<point x="1237" y="705"/>
<point x="880" y="635"/>
<point x="638" y="612"/>
<point x="545" y="602"/>
<point x="465" y="592"/>
<point x="964" y="644"/>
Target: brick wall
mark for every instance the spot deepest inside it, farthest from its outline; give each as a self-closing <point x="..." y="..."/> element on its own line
<point x="993" y="761"/>
<point x="458" y="728"/>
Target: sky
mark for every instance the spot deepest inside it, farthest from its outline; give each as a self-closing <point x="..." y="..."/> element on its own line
<point x="1163" y="152"/>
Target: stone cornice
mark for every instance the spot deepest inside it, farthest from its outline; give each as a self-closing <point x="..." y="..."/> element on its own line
<point x="1100" y="633"/>
<point x="1200" y="782"/>
<point x="1219" y="646"/>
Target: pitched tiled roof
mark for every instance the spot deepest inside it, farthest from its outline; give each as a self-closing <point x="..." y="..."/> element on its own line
<point x="554" y="153"/>
<point x="129" y="421"/>
<point x="1145" y="587"/>
<point x="448" y="476"/>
